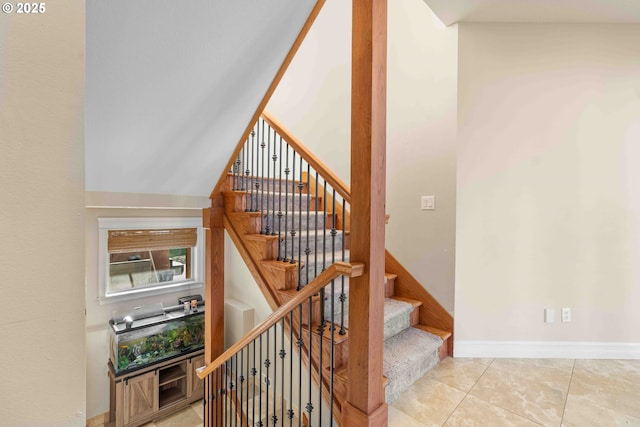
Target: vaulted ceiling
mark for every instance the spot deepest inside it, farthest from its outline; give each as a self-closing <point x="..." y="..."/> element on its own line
<point x="171" y="87"/>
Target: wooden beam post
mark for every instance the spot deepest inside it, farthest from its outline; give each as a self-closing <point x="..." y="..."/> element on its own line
<point x="365" y="404"/>
<point x="213" y="223"/>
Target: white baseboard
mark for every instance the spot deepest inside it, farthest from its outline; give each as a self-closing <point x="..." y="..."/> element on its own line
<point x="547" y="350"/>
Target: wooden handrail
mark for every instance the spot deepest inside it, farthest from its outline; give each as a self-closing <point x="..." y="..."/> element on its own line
<point x="334" y="271"/>
<point x="340" y="187"/>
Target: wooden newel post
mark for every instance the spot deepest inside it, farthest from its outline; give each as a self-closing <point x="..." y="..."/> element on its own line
<point x="365" y="396"/>
<point x="213" y="224"/>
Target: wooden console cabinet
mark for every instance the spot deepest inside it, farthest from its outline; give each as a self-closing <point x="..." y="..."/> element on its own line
<point x="155" y="391"/>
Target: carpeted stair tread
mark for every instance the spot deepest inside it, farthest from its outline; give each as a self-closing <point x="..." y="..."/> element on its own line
<point x="317" y="264"/>
<point x="305" y="220"/>
<point x="408" y="356"/>
<point x="319" y="242"/>
<point x="396" y="317"/>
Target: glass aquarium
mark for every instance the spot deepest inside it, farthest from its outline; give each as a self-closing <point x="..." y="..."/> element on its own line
<point x="151" y="334"/>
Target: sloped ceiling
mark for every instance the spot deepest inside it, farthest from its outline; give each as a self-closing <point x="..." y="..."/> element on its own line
<point x="171" y="86"/>
<point x="558" y="11"/>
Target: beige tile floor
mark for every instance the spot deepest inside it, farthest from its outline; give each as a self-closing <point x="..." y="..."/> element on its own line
<point x="523" y="392"/>
<point x="507" y="392"/>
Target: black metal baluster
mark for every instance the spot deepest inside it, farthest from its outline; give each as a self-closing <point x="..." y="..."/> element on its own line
<point x="241" y="169"/>
<point x="247" y="380"/>
<point x="300" y="187"/>
<point x="255" y="172"/>
<point x="274" y="417"/>
<point x="315" y="250"/>
<point x="259" y="423"/>
<point x="267" y="365"/>
<point x="324" y="230"/>
<point x="234" y="174"/>
<point x="217" y="397"/>
<point x="280" y="203"/>
<point x="214" y="396"/>
<point x="343" y="296"/>
<point x="332" y="347"/>
<point x="235" y="394"/>
<point x="242" y="381"/>
<point x="272" y="184"/>
<point x="307" y="250"/>
<point x="286" y="205"/>
<point x="299" y="343"/>
<point x="206" y="401"/>
<point x="253" y="386"/>
<point x="247" y="172"/>
<point x="233" y="391"/>
<point x="217" y="405"/>
<point x="283" y="355"/>
<point x="224" y="390"/>
<point x="262" y="159"/>
<point x="309" y="406"/>
<point x="320" y="340"/>
<point x="228" y="390"/>
<point x="250" y="156"/>
<point x="293" y="208"/>
<point x="290" y="412"/>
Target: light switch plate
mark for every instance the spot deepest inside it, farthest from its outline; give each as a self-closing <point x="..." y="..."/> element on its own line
<point x="428" y="203"/>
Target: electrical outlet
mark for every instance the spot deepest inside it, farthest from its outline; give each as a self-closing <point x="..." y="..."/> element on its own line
<point x="566" y="314"/>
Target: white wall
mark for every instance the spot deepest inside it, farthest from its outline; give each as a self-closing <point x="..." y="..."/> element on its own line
<point x="421" y="145"/>
<point x="548" y="204"/>
<point x="42" y="217"/>
<point x="313" y="101"/>
<point x="171" y="87"/>
<point x="98" y="315"/>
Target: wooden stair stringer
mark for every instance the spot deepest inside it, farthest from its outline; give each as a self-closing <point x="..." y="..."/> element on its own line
<point x="252" y="264"/>
<point x="431" y="313"/>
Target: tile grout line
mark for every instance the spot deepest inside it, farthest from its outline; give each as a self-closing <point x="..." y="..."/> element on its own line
<point x="566" y="399"/>
<point x="467" y="392"/>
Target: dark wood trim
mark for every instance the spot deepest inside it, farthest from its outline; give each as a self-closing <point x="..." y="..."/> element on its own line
<point x="267" y="96"/>
<point x="365" y="391"/>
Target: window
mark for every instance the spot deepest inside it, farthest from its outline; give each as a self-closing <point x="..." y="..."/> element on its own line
<point x="144" y="256"/>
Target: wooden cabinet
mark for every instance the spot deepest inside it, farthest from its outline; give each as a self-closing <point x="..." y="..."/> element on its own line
<point x="156" y="391"/>
<point x="140" y="397"/>
<point x="195" y="384"/>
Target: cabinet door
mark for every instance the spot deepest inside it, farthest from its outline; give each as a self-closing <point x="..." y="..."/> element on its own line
<point x="196" y="386"/>
<point x="140" y="397"/>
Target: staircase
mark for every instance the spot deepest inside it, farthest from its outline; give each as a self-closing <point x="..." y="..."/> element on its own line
<point x="288" y="216"/>
<point x="410" y="349"/>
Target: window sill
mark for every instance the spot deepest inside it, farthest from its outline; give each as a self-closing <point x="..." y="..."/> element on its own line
<point x="144" y="293"/>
